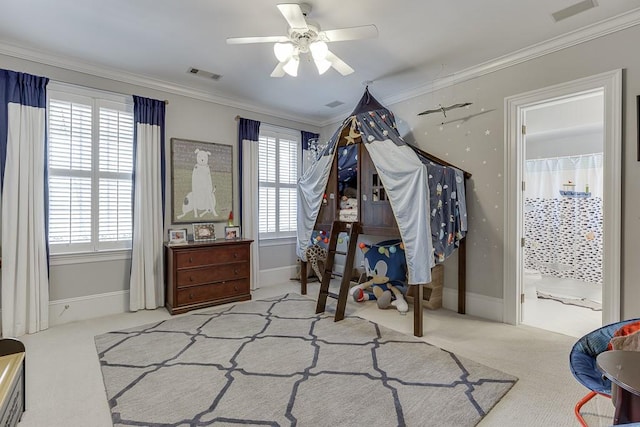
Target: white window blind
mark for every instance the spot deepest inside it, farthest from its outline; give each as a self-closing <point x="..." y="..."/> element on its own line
<point x="90" y="172"/>
<point x="278" y="170"/>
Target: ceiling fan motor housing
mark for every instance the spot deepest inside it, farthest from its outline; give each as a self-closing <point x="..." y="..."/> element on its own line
<point x="302" y="40"/>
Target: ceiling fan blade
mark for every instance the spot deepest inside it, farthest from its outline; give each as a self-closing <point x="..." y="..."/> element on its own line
<point x="339" y="64"/>
<point x="352" y="33"/>
<point x="293" y="14"/>
<point x="279" y="70"/>
<point x="267" y="39"/>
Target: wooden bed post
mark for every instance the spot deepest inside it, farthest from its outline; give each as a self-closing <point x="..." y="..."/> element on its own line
<point x="417" y="310"/>
<point x="462" y="276"/>
<point x="303" y="277"/>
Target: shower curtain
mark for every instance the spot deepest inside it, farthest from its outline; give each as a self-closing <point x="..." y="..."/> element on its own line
<point x="563" y="232"/>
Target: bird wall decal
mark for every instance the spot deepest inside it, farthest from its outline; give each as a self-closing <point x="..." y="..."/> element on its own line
<point x="444" y="109"/>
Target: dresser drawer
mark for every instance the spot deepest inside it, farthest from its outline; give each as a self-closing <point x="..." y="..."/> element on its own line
<point x="198" y="294"/>
<point x="194" y="258"/>
<point x="217" y="273"/>
<point x="202" y="274"/>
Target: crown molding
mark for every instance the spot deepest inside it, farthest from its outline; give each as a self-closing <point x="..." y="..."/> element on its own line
<point x="80" y="66"/>
<point x="573" y="38"/>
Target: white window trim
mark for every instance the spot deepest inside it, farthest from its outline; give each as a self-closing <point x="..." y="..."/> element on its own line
<point x="70" y="91"/>
<point x="89" y="257"/>
<point x="268" y="239"/>
<point x="276" y="241"/>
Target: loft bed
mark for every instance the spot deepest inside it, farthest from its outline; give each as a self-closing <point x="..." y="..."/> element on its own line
<point x="355" y="192"/>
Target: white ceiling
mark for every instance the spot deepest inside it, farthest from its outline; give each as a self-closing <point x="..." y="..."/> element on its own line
<point x="157" y="41"/>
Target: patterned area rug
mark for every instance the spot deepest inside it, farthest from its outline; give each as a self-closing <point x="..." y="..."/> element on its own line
<point x="580" y="302"/>
<point x="273" y="362"/>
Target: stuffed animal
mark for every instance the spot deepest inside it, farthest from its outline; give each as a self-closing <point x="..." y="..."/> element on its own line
<point x="386" y="267"/>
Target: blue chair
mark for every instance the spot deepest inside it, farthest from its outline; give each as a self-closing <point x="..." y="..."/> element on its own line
<point x="582" y="361"/>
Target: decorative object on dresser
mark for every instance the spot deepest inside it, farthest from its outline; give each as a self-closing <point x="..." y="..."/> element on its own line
<point x="232" y="232"/>
<point x="12" y="381"/>
<point x="204" y="231"/>
<point x="202" y="274"/>
<point x="177" y="236"/>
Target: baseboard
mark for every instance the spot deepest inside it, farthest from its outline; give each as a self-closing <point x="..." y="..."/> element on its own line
<point x="92" y="306"/>
<point x="274" y="276"/>
<point x="87" y="307"/>
<point x="476" y="305"/>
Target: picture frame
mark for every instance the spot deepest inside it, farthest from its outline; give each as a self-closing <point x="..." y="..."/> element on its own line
<point x="177" y="236"/>
<point x="232" y="232"/>
<point x="204" y="231"/>
<point x="201" y="181"/>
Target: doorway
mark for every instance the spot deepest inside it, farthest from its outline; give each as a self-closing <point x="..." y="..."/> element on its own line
<point x="562" y="213"/>
<point x="531" y="260"/>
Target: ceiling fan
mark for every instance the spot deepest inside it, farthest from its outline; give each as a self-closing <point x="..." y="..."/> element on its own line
<point x="305" y="36"/>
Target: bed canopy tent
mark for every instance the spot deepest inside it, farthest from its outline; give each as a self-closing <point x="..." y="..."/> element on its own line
<point x="402" y="171"/>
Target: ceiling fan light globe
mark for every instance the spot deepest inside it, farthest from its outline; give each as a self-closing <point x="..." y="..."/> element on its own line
<point x="283" y="51"/>
<point x="322" y="65"/>
<point x="319" y="50"/>
<point x="291" y="67"/>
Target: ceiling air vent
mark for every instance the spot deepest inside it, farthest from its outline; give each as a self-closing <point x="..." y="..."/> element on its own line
<point x="334" y="104"/>
<point x="574" y="9"/>
<point x="204" y="74"/>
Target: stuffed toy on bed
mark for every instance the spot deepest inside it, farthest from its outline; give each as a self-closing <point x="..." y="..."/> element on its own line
<point x="386" y="271"/>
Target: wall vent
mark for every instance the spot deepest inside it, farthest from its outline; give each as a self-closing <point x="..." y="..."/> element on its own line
<point x="574" y="9"/>
<point x="334" y="104"/>
<point x="204" y="74"/>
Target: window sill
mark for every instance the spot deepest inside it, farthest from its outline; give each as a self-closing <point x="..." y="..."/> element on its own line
<point x="277" y="241"/>
<point x="88" y="257"/>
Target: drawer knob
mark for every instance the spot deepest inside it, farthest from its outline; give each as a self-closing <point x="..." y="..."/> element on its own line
<point x="190" y="296"/>
<point x="190" y="259"/>
<point x="235" y="287"/>
<point x="235" y="271"/>
<point x="191" y="278"/>
<point x="235" y="254"/>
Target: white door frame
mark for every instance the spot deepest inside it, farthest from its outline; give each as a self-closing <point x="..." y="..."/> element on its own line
<point x="611" y="83"/>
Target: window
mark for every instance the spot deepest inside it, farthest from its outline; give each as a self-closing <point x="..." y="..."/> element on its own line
<point x="90" y="157"/>
<point x="278" y="160"/>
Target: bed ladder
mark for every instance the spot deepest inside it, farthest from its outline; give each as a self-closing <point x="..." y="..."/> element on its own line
<point x="352" y="229"/>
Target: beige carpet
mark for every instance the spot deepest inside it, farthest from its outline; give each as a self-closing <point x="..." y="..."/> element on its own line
<point x="273" y="362"/>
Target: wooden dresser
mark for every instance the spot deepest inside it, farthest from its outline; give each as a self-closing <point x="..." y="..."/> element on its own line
<point x="12" y="381"/>
<point x="202" y="274"/>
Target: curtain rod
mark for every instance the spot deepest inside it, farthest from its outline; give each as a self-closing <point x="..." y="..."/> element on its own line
<point x="236" y="118"/>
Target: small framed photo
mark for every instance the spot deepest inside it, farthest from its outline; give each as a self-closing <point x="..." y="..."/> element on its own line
<point x="204" y="231"/>
<point x="177" y="236"/>
<point x="232" y="232"/>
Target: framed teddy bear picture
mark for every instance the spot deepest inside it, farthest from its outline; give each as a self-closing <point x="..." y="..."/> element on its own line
<point x="201" y="181"/>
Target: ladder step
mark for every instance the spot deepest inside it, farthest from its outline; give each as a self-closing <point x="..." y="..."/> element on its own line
<point x="353" y="229"/>
<point x="333" y="273"/>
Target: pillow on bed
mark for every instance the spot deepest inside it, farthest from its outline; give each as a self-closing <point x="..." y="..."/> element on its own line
<point x="318" y="238"/>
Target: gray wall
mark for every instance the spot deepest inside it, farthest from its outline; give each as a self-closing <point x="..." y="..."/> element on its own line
<point x="186" y="118"/>
<point x="474" y="149"/>
<point x="464" y="143"/>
